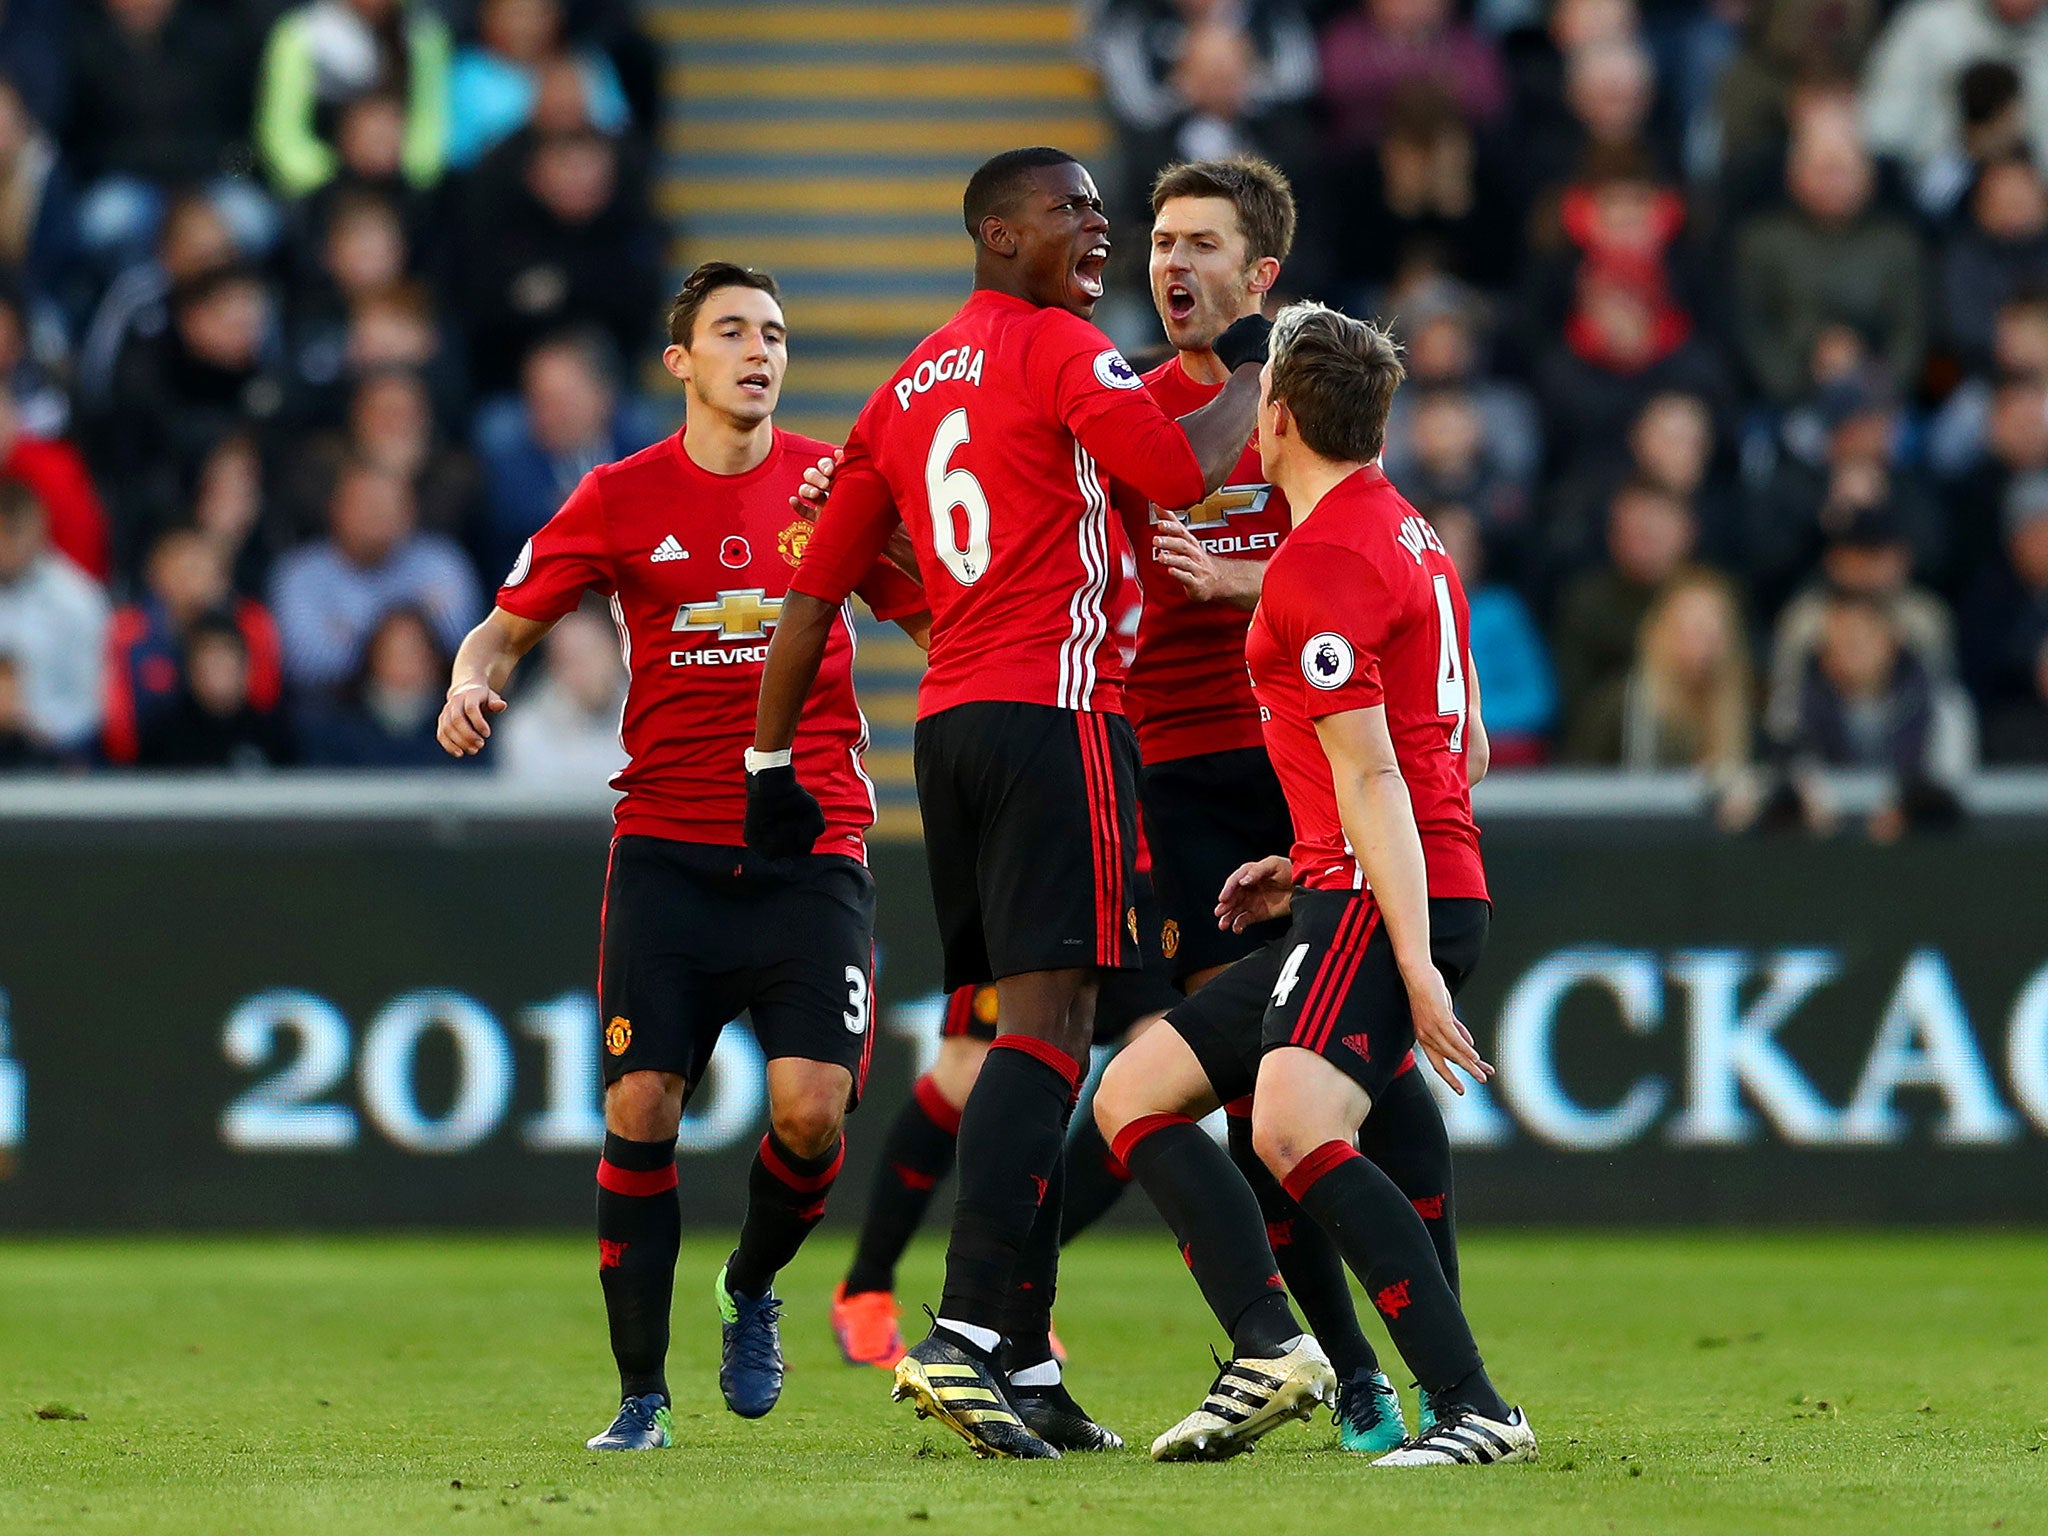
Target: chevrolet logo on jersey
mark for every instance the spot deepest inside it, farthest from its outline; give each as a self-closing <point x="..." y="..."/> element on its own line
<point x="743" y="615"/>
<point x="1218" y="509"/>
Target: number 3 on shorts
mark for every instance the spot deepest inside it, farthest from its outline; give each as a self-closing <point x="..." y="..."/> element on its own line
<point x="1290" y="973"/>
<point x="856" y="1014"/>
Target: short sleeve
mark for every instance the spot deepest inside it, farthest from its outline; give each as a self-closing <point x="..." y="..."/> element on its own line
<point x="853" y="528"/>
<point x="1100" y="398"/>
<point x="566" y="558"/>
<point x="1334" y="612"/>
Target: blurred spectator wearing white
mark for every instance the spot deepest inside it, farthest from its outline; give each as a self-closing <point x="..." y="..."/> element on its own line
<point x="496" y="81"/>
<point x="1828" y="259"/>
<point x="324" y="54"/>
<point x="569" y="418"/>
<point x="566" y="729"/>
<point x="1909" y="105"/>
<point x="330" y="595"/>
<point x="53" y="622"/>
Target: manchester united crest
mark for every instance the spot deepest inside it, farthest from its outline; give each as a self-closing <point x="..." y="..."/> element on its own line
<point x="1131" y="922"/>
<point x="1169" y="938"/>
<point x="794" y="540"/>
<point x="618" y="1035"/>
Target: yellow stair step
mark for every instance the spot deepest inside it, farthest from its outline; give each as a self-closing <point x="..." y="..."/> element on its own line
<point x="864" y="24"/>
<point x="831" y="136"/>
<point x="865" y="253"/>
<point x="680" y="196"/>
<point x="896" y="83"/>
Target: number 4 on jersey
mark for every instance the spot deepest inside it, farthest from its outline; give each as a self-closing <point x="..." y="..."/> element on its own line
<point x="1450" y="664"/>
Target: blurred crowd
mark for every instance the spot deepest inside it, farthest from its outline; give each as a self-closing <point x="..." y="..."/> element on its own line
<point x="1727" y="334"/>
<point x="309" y="314"/>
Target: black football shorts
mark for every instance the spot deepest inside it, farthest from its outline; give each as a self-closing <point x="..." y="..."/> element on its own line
<point x="1204" y="817"/>
<point x="1030" y="836"/>
<point x="694" y="934"/>
<point x="1328" y="985"/>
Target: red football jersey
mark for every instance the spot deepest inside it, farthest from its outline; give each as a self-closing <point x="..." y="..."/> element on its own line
<point x="993" y="443"/>
<point x="1363" y="607"/>
<point x="696" y="566"/>
<point x="1187" y="693"/>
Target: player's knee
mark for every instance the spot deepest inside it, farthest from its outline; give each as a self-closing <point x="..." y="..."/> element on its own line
<point x="810" y="1124"/>
<point x="644" y="1106"/>
<point x="1119" y="1097"/>
<point x="1278" y="1145"/>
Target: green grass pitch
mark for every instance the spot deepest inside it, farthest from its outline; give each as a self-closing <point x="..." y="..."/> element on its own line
<point x="1710" y="1383"/>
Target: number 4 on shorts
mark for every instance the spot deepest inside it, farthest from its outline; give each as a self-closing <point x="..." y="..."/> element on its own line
<point x="1290" y="973"/>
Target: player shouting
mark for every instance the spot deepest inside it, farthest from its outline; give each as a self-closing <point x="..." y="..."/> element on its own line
<point x="1360" y="659"/>
<point x="694" y="542"/>
<point x="994" y="440"/>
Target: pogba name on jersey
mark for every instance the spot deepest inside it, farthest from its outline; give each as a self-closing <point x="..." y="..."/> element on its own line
<point x="946" y="368"/>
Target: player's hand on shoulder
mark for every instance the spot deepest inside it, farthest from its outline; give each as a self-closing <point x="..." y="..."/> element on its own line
<point x="465" y="723"/>
<point x="1440" y="1033"/>
<point x="817" y="485"/>
<point x="783" y="818"/>
<point x="1257" y="892"/>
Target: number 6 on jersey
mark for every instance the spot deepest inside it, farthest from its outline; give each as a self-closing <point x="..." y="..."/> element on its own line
<point x="945" y="489"/>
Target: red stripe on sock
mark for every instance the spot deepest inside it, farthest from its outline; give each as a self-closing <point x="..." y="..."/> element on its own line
<point x="1312" y="1168"/>
<point x="937" y="1108"/>
<point x="1045" y="1051"/>
<point x="1239" y="1109"/>
<point x="1127" y="1139"/>
<point x="636" y="1181"/>
<point x="959" y="1012"/>
<point x="1305" y="1021"/>
<point x="802" y="1183"/>
<point x="1333" y="1003"/>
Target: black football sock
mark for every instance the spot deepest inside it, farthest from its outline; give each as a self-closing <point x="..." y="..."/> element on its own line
<point x="1383" y="1240"/>
<point x="1222" y="1235"/>
<point x="1027" y="1327"/>
<point x="785" y="1199"/>
<point x="639" y="1229"/>
<point x="1010" y="1132"/>
<point x="1405" y="1138"/>
<point x="917" y="1152"/>
<point x="1309" y="1261"/>
<point x="1095" y="1179"/>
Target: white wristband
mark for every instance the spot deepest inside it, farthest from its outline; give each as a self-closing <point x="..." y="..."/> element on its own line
<point x="756" y="761"/>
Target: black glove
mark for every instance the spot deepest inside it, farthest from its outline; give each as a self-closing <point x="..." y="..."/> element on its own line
<point x="783" y="818"/>
<point x="1244" y="342"/>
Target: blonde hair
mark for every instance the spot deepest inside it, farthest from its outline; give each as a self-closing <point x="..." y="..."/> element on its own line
<point x="1709" y="726"/>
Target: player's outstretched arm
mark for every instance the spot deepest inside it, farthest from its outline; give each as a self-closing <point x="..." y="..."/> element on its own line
<point x="483" y="665"/>
<point x="783" y="818"/>
<point x="1379" y="820"/>
<point x="1219" y="431"/>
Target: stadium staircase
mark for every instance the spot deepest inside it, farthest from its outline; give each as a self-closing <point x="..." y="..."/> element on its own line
<point x="828" y="143"/>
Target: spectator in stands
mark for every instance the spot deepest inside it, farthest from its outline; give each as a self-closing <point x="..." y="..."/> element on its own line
<point x="1815" y="493"/>
<point x="369" y="144"/>
<point x="1867" y="702"/>
<point x="568" y="419"/>
<point x="390" y="425"/>
<point x="571" y="248"/>
<point x="1443" y="344"/>
<point x="329" y="596"/>
<point x="1909" y="88"/>
<point x="1690" y="698"/>
<point x="21" y="748"/>
<point x="1671" y="445"/>
<point x="362" y="257"/>
<point x="32" y="55"/>
<point x="326" y="53"/>
<point x="194" y="238"/>
<point x="386" y="716"/>
<point x="1830" y="259"/>
<point x="186" y="584"/>
<point x="1959" y="436"/>
<point x="2005" y="619"/>
<point x="1611" y="91"/>
<point x="160" y="100"/>
<point x="54" y="469"/>
<point x="53" y="622"/>
<point x="496" y="80"/>
<point x="1650" y="538"/>
<point x="1450" y="461"/>
<point x="567" y="725"/>
<point x="1370" y="51"/>
<point x="1516" y="685"/>
<point x="1867" y="557"/>
<point x="1784" y="43"/>
<point x="1991" y="100"/>
<point x="33" y="366"/>
<point x="215" y="371"/>
<point x="214" y="719"/>
<point x="2001" y="250"/>
<point x="2016" y="731"/>
<point x="38" y="215"/>
<point x="230" y="506"/>
<point x="1423" y="192"/>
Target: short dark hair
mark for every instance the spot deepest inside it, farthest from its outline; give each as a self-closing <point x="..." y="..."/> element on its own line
<point x="1337" y="377"/>
<point x="1255" y="188"/>
<point x="994" y="187"/>
<point x="709" y="277"/>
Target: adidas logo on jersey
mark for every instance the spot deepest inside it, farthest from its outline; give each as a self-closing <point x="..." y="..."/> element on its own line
<point x="668" y="549"/>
